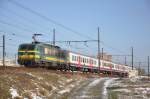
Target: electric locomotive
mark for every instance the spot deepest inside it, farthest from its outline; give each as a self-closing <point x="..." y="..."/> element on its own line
<point x="41" y="54"/>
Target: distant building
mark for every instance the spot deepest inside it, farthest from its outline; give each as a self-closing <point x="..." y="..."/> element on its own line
<point x="8" y="62"/>
<point x="105" y="56"/>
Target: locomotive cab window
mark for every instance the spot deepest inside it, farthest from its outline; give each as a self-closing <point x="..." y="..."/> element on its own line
<point x="27" y="47"/>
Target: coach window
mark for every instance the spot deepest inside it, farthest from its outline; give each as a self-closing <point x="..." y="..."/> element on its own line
<point x="72" y="58"/>
<point x="75" y="58"/>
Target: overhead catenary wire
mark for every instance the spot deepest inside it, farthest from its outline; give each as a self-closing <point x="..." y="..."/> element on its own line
<point x="9" y="33"/>
<point x="54" y="22"/>
<point x="27" y="20"/>
<point x="21" y="24"/>
<point x="47" y="19"/>
<point x="15" y="26"/>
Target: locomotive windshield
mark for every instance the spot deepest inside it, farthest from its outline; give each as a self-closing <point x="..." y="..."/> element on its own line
<point x="27" y="47"/>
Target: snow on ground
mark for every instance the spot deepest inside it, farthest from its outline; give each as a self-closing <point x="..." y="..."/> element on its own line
<point x="39" y="78"/>
<point x="95" y="82"/>
<point x="53" y="89"/>
<point x="143" y="90"/>
<point x="64" y="91"/>
<point x="61" y="82"/>
<point x="131" y="88"/>
<point x="67" y="88"/>
<point x="13" y="92"/>
<point x="34" y="96"/>
<point x="117" y="83"/>
<point x="69" y="80"/>
<point x="134" y="79"/>
<point x="123" y="90"/>
<point x="106" y="84"/>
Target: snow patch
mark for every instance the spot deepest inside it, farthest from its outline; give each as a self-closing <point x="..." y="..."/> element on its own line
<point x="143" y="90"/>
<point x="123" y="90"/>
<point x="84" y="96"/>
<point x="53" y="87"/>
<point x="72" y="85"/>
<point x="106" y="84"/>
<point x="34" y="96"/>
<point x="13" y="92"/>
<point x="95" y="82"/>
<point x="64" y="91"/>
<point x="69" y="80"/>
<point x="39" y="78"/>
<point x="61" y="82"/>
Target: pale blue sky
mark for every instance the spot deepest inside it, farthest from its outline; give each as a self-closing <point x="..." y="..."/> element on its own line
<point x="123" y="23"/>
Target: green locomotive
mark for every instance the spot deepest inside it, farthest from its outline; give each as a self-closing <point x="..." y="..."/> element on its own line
<point x="41" y="54"/>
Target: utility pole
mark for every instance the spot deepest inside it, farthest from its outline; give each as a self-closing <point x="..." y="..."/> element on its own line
<point x="3" y="50"/>
<point x="148" y="66"/>
<point x="139" y="68"/>
<point x="99" y="54"/>
<point x="125" y="60"/>
<point x="15" y="59"/>
<point x="132" y="58"/>
<point x="102" y="53"/>
<point x="54" y="37"/>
